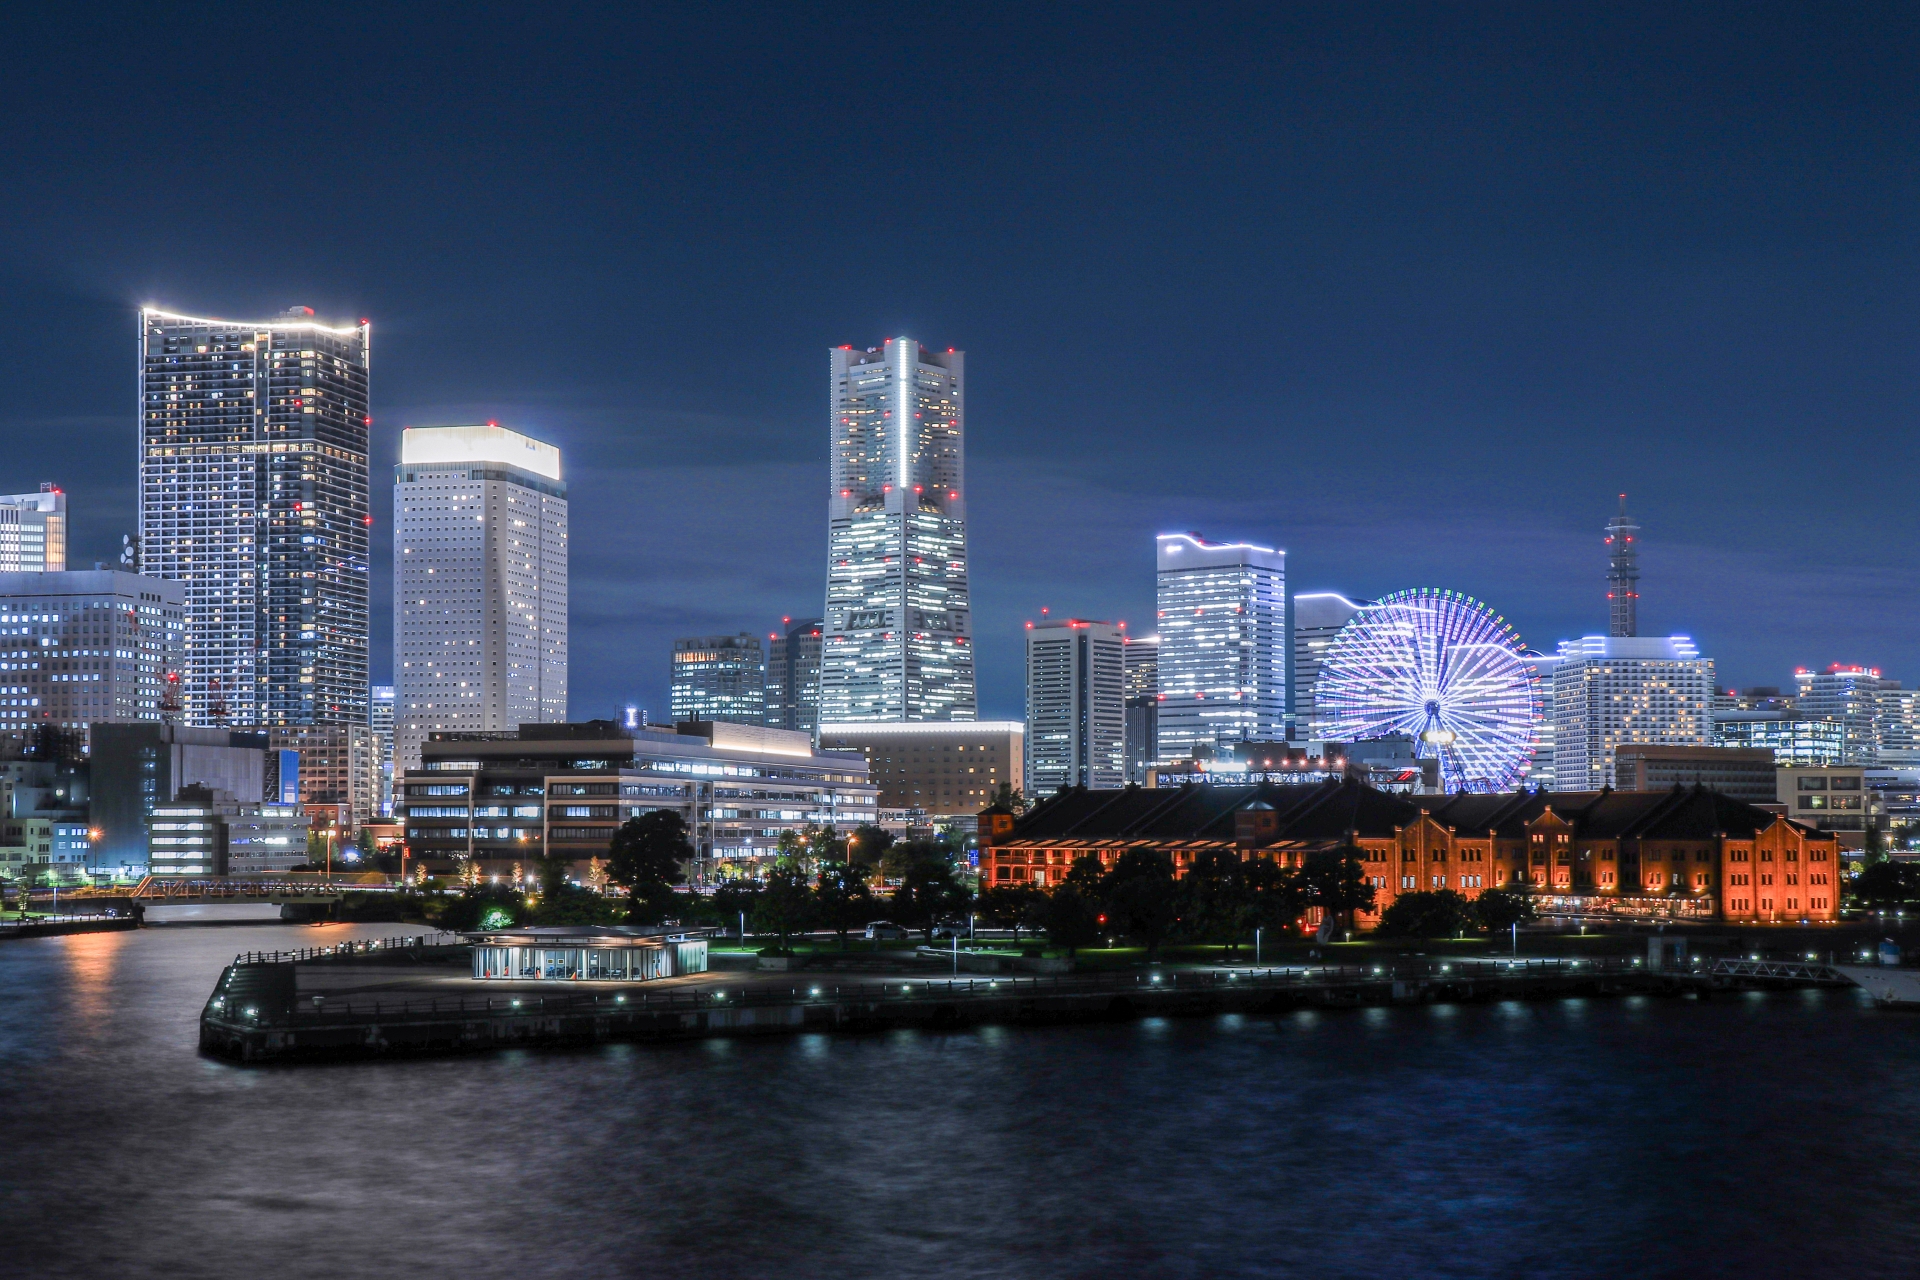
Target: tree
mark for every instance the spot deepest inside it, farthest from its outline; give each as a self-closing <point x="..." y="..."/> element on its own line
<point x="1071" y="918"/>
<point x="784" y="904"/>
<point x="1873" y="847"/>
<point x="1499" y="909"/>
<point x="845" y="903"/>
<point x="1440" y="913"/>
<point x="1138" y="896"/>
<point x="1010" y="906"/>
<point x="1085" y="874"/>
<point x="1276" y="896"/>
<point x="645" y="858"/>
<point x="1214" y="899"/>
<point x="868" y="844"/>
<point x="928" y="894"/>
<point x="1887" y="884"/>
<point x="1009" y="797"/>
<point x="1335" y="881"/>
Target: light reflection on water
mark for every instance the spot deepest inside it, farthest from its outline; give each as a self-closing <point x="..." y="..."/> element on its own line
<point x="1541" y="1139"/>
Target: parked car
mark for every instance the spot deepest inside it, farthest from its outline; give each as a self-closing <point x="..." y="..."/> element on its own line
<point x="951" y="929"/>
<point x="885" y="929"/>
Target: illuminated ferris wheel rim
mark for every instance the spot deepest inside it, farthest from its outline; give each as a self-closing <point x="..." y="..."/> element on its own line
<point x="1443" y="667"/>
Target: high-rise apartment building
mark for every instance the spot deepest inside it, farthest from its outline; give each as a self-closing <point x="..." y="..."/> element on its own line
<point x="380" y="720"/>
<point x="1317" y="619"/>
<point x="719" y="678"/>
<point x="480" y="584"/>
<point x="1076" y="706"/>
<point x="33" y="531"/>
<point x="339" y="773"/>
<point x="1223" y="650"/>
<point x="1850" y="695"/>
<point x="253" y="496"/>
<point x="85" y="647"/>
<point x="793" y="676"/>
<point x="897" y="645"/>
<point x="1613" y="690"/>
<point x="1142" y="654"/>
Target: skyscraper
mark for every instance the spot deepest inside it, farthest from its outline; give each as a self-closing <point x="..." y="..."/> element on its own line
<point x="1317" y="619"/>
<point x="1623" y="574"/>
<point x="793" y="676"/>
<point x="1076" y="706"/>
<point x="897" y="643"/>
<point x="1223" y="653"/>
<point x="480" y="584"/>
<point x="721" y="678"/>
<point x="1142" y="654"/>
<point x="1611" y="690"/>
<point x="1850" y="695"/>
<point x="86" y="647"/>
<point x="380" y="720"/>
<point x="33" y="531"/>
<point x="253" y="496"/>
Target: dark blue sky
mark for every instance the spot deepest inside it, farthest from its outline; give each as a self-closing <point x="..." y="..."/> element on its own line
<point x="1411" y="292"/>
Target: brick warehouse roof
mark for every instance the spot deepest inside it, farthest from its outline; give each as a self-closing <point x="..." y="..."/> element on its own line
<point x="1330" y="810"/>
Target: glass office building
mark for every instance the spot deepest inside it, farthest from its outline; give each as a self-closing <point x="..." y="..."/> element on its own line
<point x="719" y="678"/>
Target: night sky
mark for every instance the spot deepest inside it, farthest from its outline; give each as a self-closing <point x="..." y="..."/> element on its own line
<point x="1410" y="292"/>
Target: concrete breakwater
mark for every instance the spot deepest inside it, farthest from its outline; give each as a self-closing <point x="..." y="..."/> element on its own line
<point x="264" y="1011"/>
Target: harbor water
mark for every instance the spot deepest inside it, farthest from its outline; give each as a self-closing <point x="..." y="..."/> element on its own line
<point x="1758" y="1134"/>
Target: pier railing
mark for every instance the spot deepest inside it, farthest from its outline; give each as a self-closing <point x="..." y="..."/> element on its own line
<point x="354" y="947"/>
<point x="327" y="1009"/>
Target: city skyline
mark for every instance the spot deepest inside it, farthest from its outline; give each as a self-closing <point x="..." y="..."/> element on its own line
<point x="1629" y="325"/>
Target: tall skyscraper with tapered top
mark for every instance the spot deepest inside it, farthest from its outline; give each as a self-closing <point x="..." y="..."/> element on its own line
<point x="898" y="625"/>
<point x="253" y="496"/>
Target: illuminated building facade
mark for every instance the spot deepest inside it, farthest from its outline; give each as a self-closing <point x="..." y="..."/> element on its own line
<point x="1317" y="619"/>
<point x="1623" y="574"/>
<point x="1142" y="655"/>
<point x="898" y="622"/>
<point x="950" y="770"/>
<point x="1076" y="706"/>
<point x="1610" y="690"/>
<point x="1851" y="696"/>
<point x="504" y="800"/>
<point x="33" y="531"/>
<point x="719" y="678"/>
<point x="1793" y="738"/>
<point x="85" y="647"/>
<point x="793" y="676"/>
<point x="380" y="720"/>
<point x="339" y="770"/>
<point x="480" y="584"/>
<point x="253" y="496"/>
<point x="1682" y="854"/>
<point x="1223" y="645"/>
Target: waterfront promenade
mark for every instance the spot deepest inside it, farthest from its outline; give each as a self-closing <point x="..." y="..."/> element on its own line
<point x="413" y="999"/>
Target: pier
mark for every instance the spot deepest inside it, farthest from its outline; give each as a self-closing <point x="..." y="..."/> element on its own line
<point x="412" y="996"/>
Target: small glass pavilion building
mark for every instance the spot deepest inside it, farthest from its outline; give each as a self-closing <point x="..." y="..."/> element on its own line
<point x="588" y="953"/>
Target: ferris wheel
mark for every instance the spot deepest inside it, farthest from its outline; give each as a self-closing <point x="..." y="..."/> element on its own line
<point x="1443" y="667"/>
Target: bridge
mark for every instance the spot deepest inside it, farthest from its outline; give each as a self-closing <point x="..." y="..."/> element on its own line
<point x="171" y="891"/>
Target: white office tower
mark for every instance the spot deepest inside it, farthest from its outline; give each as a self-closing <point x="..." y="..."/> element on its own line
<point x="1540" y="777"/>
<point x="380" y="720"/>
<point x="1076" y="707"/>
<point x="253" y="496"/>
<point x="1609" y="690"/>
<point x="1850" y="695"/>
<point x="1317" y="619"/>
<point x="897" y="643"/>
<point x="480" y="584"/>
<point x="1223" y="652"/>
<point x="1898" y="725"/>
<point x="33" y="531"/>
